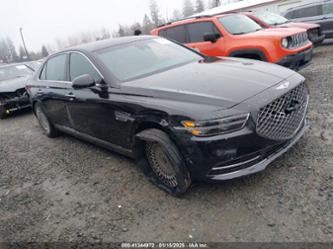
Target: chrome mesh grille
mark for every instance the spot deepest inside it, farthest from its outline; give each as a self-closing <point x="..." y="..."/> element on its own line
<point x="299" y="40"/>
<point x="280" y="119"/>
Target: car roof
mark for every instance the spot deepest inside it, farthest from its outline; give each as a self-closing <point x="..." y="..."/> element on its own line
<point x="309" y="4"/>
<point x="194" y="19"/>
<point x="97" y="45"/>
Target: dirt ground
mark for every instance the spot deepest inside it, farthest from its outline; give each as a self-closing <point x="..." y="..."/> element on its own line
<point x="64" y="189"/>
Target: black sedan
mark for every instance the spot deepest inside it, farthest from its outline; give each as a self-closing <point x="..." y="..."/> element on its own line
<point x="13" y="95"/>
<point x="183" y="116"/>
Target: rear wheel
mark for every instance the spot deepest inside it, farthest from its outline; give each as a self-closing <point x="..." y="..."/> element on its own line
<point x="47" y="127"/>
<point x="167" y="169"/>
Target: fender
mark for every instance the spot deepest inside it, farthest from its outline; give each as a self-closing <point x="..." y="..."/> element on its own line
<point x="239" y="53"/>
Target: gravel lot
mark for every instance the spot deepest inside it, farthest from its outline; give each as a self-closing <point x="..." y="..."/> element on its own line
<point x="64" y="189"/>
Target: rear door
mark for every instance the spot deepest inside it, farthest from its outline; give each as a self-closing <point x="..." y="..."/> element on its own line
<point x="326" y="21"/>
<point x="92" y="110"/>
<point x="52" y="91"/>
<point x="197" y="31"/>
<point x="311" y="14"/>
<point x="177" y="33"/>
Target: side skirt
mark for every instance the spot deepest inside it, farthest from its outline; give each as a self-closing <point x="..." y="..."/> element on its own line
<point x="96" y="141"/>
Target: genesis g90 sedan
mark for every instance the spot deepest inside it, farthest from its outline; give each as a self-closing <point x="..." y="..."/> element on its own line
<point x="181" y="115"/>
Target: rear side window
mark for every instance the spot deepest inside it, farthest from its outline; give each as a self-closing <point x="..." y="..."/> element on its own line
<point x="307" y="12"/>
<point x="198" y="30"/>
<point x="177" y="33"/>
<point x="328" y="8"/>
<point x="79" y="65"/>
<point x="55" y="68"/>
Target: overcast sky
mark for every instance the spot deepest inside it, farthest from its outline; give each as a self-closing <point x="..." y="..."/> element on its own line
<point x="45" y="20"/>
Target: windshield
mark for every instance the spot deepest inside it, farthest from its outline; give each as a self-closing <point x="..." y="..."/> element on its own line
<point x="271" y="18"/>
<point x="137" y="59"/>
<point x="239" y="24"/>
<point x="15" y="71"/>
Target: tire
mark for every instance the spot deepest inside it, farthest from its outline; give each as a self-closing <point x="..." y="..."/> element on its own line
<point x="47" y="127"/>
<point x="166" y="166"/>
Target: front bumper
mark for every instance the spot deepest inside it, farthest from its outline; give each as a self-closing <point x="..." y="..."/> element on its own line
<point x="233" y="155"/>
<point x="316" y="41"/>
<point x="297" y="61"/>
<point x="248" y="168"/>
<point x="15" y="104"/>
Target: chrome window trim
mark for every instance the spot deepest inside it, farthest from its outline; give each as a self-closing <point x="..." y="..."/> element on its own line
<point x="55" y="81"/>
<point x="69" y="52"/>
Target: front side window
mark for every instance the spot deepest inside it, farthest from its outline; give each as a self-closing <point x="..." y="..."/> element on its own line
<point x="198" y="30"/>
<point x="79" y="65"/>
<point x="328" y="8"/>
<point x="55" y="68"/>
<point x="307" y="12"/>
<point x="239" y="24"/>
<point x="177" y="33"/>
<point x="270" y="18"/>
<point x="145" y="57"/>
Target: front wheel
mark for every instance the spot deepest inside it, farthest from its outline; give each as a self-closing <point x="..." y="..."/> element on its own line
<point x="167" y="166"/>
<point x="48" y="128"/>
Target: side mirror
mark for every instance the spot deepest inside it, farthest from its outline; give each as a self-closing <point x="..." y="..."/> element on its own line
<point x="83" y="81"/>
<point x="212" y="37"/>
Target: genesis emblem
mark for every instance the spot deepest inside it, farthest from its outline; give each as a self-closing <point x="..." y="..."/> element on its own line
<point x="283" y="86"/>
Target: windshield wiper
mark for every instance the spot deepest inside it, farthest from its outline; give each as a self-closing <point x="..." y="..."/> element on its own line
<point x="240" y="33"/>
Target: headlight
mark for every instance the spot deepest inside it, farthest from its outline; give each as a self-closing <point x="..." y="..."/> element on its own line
<point x="285" y="43"/>
<point x="217" y="126"/>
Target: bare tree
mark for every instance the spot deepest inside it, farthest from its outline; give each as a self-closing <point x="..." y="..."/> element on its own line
<point x="147" y="25"/>
<point x="155" y="13"/>
<point x="104" y="34"/>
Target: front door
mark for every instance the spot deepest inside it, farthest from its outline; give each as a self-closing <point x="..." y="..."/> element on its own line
<point x="92" y="110"/>
<point x="196" y="33"/>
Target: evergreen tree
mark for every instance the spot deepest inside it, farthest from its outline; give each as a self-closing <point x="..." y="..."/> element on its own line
<point x="44" y="52"/>
<point x="12" y="51"/>
<point x="121" y="31"/>
<point x="188" y="8"/>
<point x="22" y="54"/>
<point x="215" y="3"/>
<point x="199" y="6"/>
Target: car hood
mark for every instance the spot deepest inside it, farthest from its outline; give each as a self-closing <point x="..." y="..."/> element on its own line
<point x="224" y="83"/>
<point x="11" y="85"/>
<point x="276" y="32"/>
<point x="302" y="25"/>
